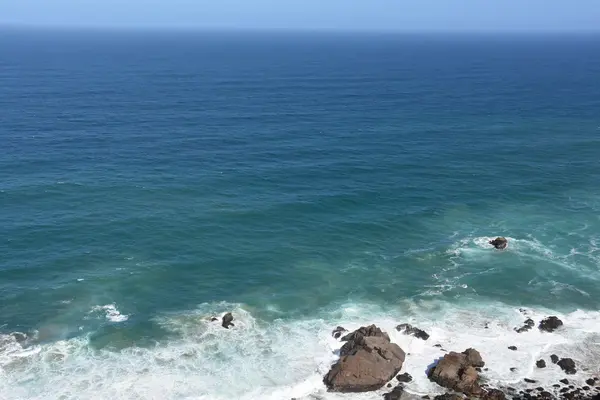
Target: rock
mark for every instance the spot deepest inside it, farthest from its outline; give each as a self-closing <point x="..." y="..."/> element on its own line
<point x="556" y="385"/>
<point x="455" y="372"/>
<point x="564" y="390"/>
<point x="448" y="396"/>
<point x="414" y="331"/>
<point x="527" y="325"/>
<point x="337" y="332"/>
<point x="529" y="380"/>
<point x="540" y="364"/>
<point x="500" y="243"/>
<point x="213" y="319"/>
<point x="395" y="394"/>
<point x="367" y="362"/>
<point x="550" y="324"/>
<point x="545" y="395"/>
<point x="567" y="365"/>
<point x="389" y="385"/>
<point x="437" y="345"/>
<point x="405" y="377"/>
<point x="19" y="337"/>
<point x="474" y="358"/>
<point x="227" y="318"/>
<point x="494" y="394"/>
<point x="554" y="358"/>
<point x="590" y="382"/>
<point x="366" y="331"/>
<point x="513" y="369"/>
<point x="564" y="381"/>
<point x="586" y="388"/>
<point x="513" y="348"/>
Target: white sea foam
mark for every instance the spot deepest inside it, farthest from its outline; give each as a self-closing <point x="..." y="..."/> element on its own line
<point x="285" y="359"/>
<point x="110" y="312"/>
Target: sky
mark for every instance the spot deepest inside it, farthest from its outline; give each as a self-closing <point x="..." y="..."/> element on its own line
<point x="343" y="15"/>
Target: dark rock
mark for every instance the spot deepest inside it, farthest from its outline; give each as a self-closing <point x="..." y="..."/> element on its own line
<point x="395" y="394"/>
<point x="455" y="372"/>
<point x="513" y="369"/>
<point x="474" y="358"/>
<point x="513" y="348"/>
<point x="530" y="380"/>
<point x="213" y="319"/>
<point x="586" y="388"/>
<point x="389" y="385"/>
<point x="540" y="364"/>
<point x="448" y="396"/>
<point x="405" y="377"/>
<point x="571" y="387"/>
<point x="227" y="318"/>
<point x="494" y="394"/>
<point x="437" y="345"/>
<point x="19" y="337"/>
<point x="546" y="395"/>
<point x="337" y="332"/>
<point x="500" y="243"/>
<point x="412" y="330"/>
<point x="590" y="382"/>
<point x="425" y="397"/>
<point x="567" y="365"/>
<point x="529" y="390"/>
<point x="556" y="385"/>
<point x="528" y="324"/>
<point x="366" y="331"/>
<point x="550" y="324"/>
<point x="554" y="358"/>
<point x="367" y="362"/>
<point x="564" y="381"/>
<point x="511" y="389"/>
<point x="477" y="369"/>
<point x="539" y="389"/>
<point x="564" y="390"/>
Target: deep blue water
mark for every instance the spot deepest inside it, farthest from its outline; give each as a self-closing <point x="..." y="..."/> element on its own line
<point x="287" y="176"/>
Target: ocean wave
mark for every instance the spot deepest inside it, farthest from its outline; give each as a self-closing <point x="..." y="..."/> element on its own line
<point x="259" y="359"/>
<point x="110" y="312"/>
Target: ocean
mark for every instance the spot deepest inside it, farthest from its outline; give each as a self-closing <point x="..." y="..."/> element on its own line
<point x="152" y="180"/>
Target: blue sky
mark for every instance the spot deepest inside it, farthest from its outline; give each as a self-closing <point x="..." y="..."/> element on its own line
<point x="403" y="15"/>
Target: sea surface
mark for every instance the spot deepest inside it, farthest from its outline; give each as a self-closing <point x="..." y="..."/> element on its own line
<point x="150" y="181"/>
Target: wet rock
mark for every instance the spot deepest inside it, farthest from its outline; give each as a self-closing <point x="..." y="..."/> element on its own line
<point x="554" y="358"/>
<point x="540" y="364"/>
<point x="448" y="396"/>
<point x="389" y="385"/>
<point x="213" y="319"/>
<point x="586" y="388"/>
<point x="513" y="369"/>
<point x="227" y="321"/>
<point x="564" y="381"/>
<point x="474" y="358"/>
<point x="545" y="395"/>
<point x="455" y="372"/>
<point x="19" y="337"/>
<point x="513" y="348"/>
<point x="500" y="243"/>
<point x="494" y="394"/>
<point x="337" y="332"/>
<point x="564" y="390"/>
<point x="366" y="331"/>
<point x="408" y="329"/>
<point x="395" y="394"/>
<point x="567" y="365"/>
<point x="437" y="345"/>
<point x="556" y="385"/>
<point x="590" y="382"/>
<point x="530" y="380"/>
<point x="405" y="377"/>
<point x="367" y="362"/>
<point x="527" y="325"/>
<point x="550" y="324"/>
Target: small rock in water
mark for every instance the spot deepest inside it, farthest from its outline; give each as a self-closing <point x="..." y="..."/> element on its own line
<point x="567" y="365"/>
<point x="586" y="388"/>
<point x="213" y="319"/>
<point x="554" y="358"/>
<point x="590" y="382"/>
<point x="564" y="381"/>
<point x="499" y="243"/>
<point x="513" y="348"/>
<point x="556" y="385"/>
<point x="540" y="364"/>
<point x="337" y="332"/>
<point x="405" y="377"/>
<point x="395" y="394"/>
<point x="19" y="337"/>
<point x="527" y="325"/>
<point x="530" y="380"/>
<point x="389" y="385"/>
<point x="412" y="330"/>
<point x="550" y="324"/>
<point x="437" y="345"/>
<point x="494" y="394"/>
<point x="513" y="369"/>
<point x="227" y="318"/>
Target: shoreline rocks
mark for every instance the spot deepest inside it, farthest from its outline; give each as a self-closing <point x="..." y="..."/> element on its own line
<point x="455" y="371"/>
<point x="227" y="321"/>
<point x="550" y="324"/>
<point x="408" y="329"/>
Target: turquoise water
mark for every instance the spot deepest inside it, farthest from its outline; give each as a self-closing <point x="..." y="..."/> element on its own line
<point x="150" y="181"/>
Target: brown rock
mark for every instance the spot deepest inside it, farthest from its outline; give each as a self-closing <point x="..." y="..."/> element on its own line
<point x="454" y="372"/>
<point x="474" y="358"/>
<point x="367" y="363"/>
<point x="366" y="331"/>
<point x="500" y="243"/>
<point x="494" y="394"/>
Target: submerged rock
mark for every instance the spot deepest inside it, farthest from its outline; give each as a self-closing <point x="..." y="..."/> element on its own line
<point x="408" y="329"/>
<point x="337" y="332"/>
<point x="527" y="325"/>
<point x="567" y="365"/>
<point x="550" y="324"/>
<point x="227" y="318"/>
<point x="456" y="372"/>
<point x="554" y="358"/>
<point x="500" y="243"/>
<point x="405" y="377"/>
<point x="513" y="348"/>
<point x="395" y="394"/>
<point x="367" y="362"/>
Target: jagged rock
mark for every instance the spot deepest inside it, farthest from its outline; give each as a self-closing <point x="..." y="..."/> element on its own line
<point x="455" y="372"/>
<point x="405" y="377"/>
<point x="366" y="331"/>
<point x="367" y="362"/>
<point x="554" y="358"/>
<point x="540" y="364"/>
<point x="448" y="396"/>
<point x="590" y="382"/>
<point x="213" y="319"/>
<point x="500" y="243"/>
<point x="408" y="329"/>
<point x="474" y="358"/>
<point x="337" y="332"/>
<point x="527" y="325"/>
<point x="564" y="381"/>
<point x="227" y="318"/>
<point x="567" y="365"/>
<point x="395" y="394"/>
<point x="494" y="394"/>
<point x="550" y="324"/>
<point x="513" y="348"/>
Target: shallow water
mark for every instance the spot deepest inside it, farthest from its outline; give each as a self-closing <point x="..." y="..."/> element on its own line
<point x="151" y="181"/>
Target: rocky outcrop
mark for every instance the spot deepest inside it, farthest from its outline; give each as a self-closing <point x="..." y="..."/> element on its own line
<point x="500" y="243"/>
<point x="227" y="321"/>
<point x="408" y="329"/>
<point x="337" y="332"/>
<point x="567" y="365"/>
<point x="455" y="372"/>
<point x="474" y="358"/>
<point x="550" y="324"/>
<point x="367" y="362"/>
<point x="527" y="325"/>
